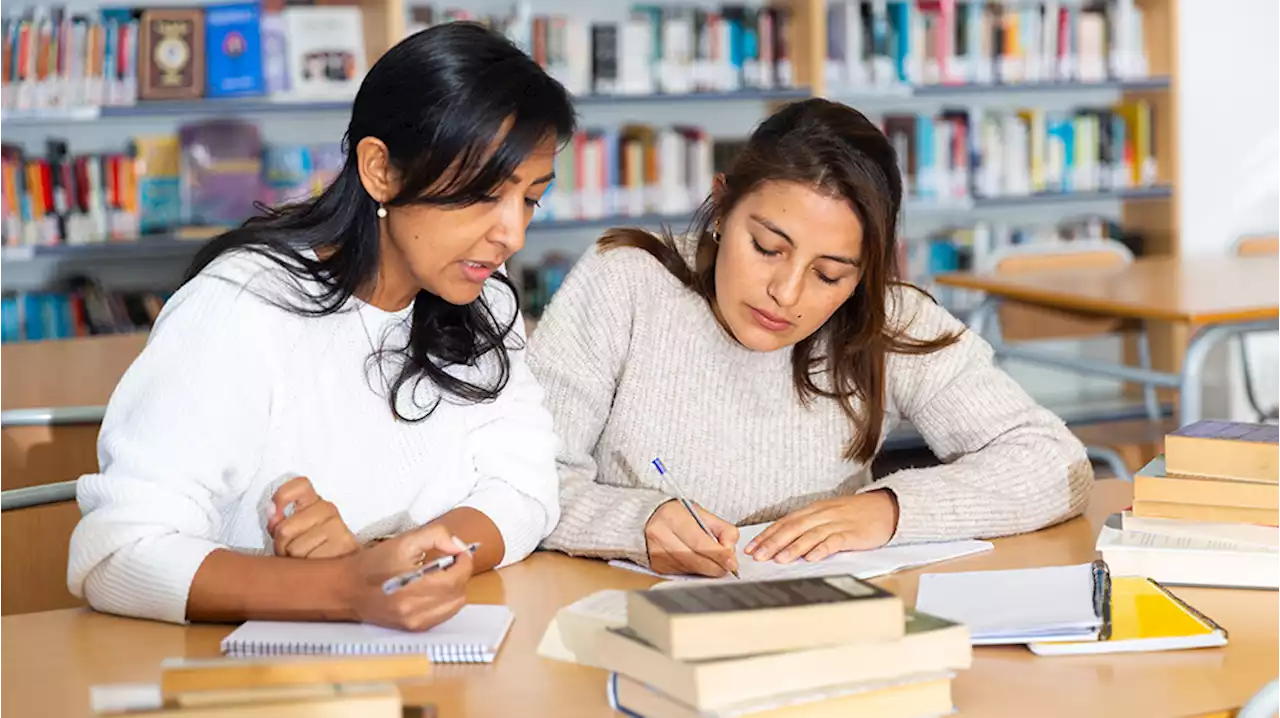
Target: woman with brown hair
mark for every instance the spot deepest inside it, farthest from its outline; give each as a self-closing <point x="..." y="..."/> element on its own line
<point x="764" y="356"/>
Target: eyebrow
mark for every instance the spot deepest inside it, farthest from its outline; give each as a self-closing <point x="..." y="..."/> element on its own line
<point x="778" y="231"/>
<point x="515" y="179"/>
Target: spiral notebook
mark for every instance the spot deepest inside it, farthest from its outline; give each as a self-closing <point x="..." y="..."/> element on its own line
<point x="474" y="635"/>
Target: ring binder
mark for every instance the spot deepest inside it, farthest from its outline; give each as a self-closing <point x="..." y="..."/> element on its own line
<point x="1102" y="597"/>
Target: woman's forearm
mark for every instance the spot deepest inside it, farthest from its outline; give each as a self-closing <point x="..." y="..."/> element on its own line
<point x="473" y="526"/>
<point x="231" y="587"/>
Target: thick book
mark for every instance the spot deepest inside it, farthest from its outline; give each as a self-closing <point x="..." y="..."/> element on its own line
<point x="1185" y="561"/>
<point x="745" y="617"/>
<point x="905" y="697"/>
<point x="1154" y="483"/>
<point x="1225" y="450"/>
<point x="930" y="644"/>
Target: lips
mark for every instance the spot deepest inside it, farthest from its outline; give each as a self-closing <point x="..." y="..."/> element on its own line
<point x="478" y="271"/>
<point x="770" y="322"/>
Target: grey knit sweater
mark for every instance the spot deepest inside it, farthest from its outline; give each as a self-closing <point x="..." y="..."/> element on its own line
<point x="635" y="366"/>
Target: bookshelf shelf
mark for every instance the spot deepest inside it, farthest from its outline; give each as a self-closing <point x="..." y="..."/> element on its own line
<point x="261" y="106"/>
<point x="795" y="93"/>
<point x="1025" y="92"/>
<point x="162" y="246"/>
<point x="1124" y="195"/>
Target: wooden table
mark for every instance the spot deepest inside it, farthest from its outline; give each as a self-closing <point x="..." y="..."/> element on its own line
<point x="1222" y="296"/>
<point x="51" y="659"/>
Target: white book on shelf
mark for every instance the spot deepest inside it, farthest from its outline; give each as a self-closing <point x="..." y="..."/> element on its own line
<point x="635" y="76"/>
<point x="326" y="51"/>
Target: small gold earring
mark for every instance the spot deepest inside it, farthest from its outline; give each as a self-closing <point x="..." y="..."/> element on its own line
<point x="382" y="212"/>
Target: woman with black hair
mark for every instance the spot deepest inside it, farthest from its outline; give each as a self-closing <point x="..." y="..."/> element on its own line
<point x="362" y="346"/>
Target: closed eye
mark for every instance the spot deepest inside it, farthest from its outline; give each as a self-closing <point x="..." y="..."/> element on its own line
<point x="825" y="279"/>
<point x="762" y="250"/>
<point x="533" y="202"/>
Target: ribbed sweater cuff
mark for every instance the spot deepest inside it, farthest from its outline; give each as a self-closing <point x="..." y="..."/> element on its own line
<point x="151" y="579"/>
<point x="520" y="520"/>
<point x="608" y="523"/>
<point x="922" y="515"/>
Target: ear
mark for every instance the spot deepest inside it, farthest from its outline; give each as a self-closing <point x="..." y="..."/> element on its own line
<point x="376" y="174"/>
<point x="718" y="187"/>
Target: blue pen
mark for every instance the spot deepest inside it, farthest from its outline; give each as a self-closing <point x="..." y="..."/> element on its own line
<point x="662" y="471"/>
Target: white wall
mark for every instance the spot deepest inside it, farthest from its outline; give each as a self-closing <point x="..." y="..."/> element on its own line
<point x="1229" y="156"/>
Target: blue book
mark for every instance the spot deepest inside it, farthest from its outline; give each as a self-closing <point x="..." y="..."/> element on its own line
<point x="10" y="320"/>
<point x="233" y="49"/>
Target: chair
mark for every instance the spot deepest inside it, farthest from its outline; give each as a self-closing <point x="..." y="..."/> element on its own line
<point x="1108" y="446"/>
<point x="40" y="510"/>
<point x="58" y="492"/>
<point x="1255" y="246"/>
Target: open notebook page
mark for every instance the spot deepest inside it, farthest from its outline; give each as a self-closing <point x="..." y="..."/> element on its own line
<point x="862" y="564"/>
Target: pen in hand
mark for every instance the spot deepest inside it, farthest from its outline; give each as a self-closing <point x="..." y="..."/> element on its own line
<point x="396" y="583"/>
<point x="662" y="471"/>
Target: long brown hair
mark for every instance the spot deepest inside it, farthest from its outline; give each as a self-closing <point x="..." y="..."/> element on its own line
<point x="836" y="150"/>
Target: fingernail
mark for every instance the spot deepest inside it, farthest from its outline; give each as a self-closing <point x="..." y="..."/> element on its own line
<point x="459" y="543"/>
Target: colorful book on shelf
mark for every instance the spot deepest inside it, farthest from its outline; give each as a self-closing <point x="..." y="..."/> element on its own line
<point x="233" y="42"/>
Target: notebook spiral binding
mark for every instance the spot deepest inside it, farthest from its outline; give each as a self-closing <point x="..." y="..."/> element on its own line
<point x="461" y="653"/>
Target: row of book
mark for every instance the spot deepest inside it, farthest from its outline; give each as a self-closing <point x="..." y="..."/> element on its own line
<point x="658" y="48"/>
<point x="631" y="171"/>
<point x="56" y="58"/>
<point x="1205" y="511"/>
<point x="86" y="310"/>
<point x="879" y="43"/>
<point x="957" y="155"/>
<point x="210" y="173"/>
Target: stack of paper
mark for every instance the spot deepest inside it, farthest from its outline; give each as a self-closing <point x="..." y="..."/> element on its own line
<point x="1018" y="606"/>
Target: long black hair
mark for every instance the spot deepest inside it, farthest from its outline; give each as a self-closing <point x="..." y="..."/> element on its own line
<point x="438" y="100"/>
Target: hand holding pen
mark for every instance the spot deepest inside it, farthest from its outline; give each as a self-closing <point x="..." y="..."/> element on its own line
<point x="421" y="594"/>
<point x="684" y="538"/>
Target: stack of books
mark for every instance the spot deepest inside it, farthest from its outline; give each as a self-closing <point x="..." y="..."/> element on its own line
<point x="824" y="646"/>
<point x="1205" y="512"/>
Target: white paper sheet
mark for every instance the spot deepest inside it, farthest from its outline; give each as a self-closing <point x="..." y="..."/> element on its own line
<point x="862" y="564"/>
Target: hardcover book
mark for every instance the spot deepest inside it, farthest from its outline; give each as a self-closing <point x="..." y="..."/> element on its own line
<point x="234" y="45"/>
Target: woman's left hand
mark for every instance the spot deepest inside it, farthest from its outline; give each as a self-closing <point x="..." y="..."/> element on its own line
<point x="847" y="523"/>
<point x="313" y="528"/>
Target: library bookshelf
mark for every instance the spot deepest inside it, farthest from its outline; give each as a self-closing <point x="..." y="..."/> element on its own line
<point x="85" y="370"/>
<point x="1149" y="211"/>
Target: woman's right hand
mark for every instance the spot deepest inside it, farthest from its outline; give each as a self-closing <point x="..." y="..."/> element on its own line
<point x="426" y="602"/>
<point x="677" y="545"/>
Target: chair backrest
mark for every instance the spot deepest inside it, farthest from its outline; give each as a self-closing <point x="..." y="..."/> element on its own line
<point x="1022" y="323"/>
<point x="1257" y="245"/>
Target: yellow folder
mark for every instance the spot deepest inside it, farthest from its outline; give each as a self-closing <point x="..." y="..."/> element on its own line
<point x="1144" y="617"/>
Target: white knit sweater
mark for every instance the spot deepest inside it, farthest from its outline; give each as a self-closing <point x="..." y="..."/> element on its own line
<point x="635" y="366"/>
<point x="233" y="395"/>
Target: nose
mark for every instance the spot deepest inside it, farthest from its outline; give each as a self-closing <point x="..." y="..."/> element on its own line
<point x="786" y="286"/>
<point x="509" y="225"/>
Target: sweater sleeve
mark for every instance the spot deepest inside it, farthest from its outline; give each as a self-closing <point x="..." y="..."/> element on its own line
<point x="512" y="445"/>
<point x="578" y="353"/>
<point x="182" y="435"/>
<point x="1009" y="465"/>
